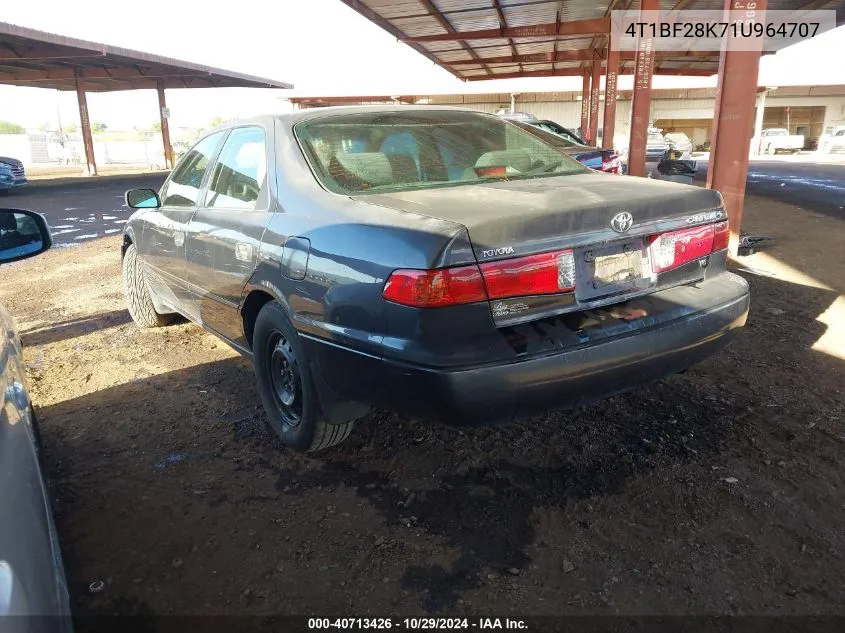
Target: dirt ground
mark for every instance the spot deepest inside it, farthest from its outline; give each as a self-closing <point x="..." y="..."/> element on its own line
<point x="720" y="491"/>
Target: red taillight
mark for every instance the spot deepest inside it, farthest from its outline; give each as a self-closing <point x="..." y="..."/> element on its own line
<point x="435" y="288"/>
<point x="721" y="237"/>
<point x="670" y="250"/>
<point x="612" y="165"/>
<point x="546" y="273"/>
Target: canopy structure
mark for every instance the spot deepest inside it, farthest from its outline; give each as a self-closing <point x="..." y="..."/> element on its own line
<point x="46" y="60"/>
<point x="502" y="39"/>
<point x="479" y="40"/>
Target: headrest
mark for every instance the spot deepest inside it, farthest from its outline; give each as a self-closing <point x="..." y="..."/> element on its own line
<point x="404" y="167"/>
<point x="369" y="167"/>
<point x="514" y="158"/>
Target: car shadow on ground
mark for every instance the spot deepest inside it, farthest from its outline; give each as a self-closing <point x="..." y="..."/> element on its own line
<point x="474" y="494"/>
<point x="73" y="328"/>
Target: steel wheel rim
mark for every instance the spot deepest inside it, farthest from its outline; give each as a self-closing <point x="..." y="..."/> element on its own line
<point x="283" y="369"/>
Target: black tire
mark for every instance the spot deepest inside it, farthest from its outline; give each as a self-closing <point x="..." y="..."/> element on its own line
<point x="286" y="387"/>
<point x="137" y="293"/>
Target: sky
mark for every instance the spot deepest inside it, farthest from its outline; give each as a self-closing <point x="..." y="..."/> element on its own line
<point x="321" y="46"/>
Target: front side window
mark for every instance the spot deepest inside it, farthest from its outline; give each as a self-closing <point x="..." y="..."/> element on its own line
<point x="240" y="170"/>
<point x="183" y="188"/>
<point x="397" y="151"/>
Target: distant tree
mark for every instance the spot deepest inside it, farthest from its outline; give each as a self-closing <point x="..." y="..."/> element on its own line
<point x="10" y="128"/>
<point x="98" y="128"/>
<point x="70" y="128"/>
<point x="216" y="121"/>
<point x="156" y="126"/>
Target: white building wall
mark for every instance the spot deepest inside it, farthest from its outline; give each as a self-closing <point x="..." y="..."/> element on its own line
<point x="568" y="112"/>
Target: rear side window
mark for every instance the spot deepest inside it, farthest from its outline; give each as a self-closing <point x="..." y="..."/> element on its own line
<point x="240" y="170"/>
<point x="419" y="149"/>
<point x="183" y="188"/>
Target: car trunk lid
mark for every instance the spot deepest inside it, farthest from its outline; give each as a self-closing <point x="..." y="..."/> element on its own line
<point x="520" y="217"/>
<point x="517" y="218"/>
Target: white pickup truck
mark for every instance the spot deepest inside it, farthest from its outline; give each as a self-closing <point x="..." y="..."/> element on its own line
<point x="778" y="139"/>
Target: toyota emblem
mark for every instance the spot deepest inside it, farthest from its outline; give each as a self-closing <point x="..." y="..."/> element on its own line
<point x="621" y="222"/>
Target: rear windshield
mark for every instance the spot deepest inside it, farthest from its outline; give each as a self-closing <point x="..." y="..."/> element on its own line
<point x="655" y="137"/>
<point x="677" y="136"/>
<point x="398" y="151"/>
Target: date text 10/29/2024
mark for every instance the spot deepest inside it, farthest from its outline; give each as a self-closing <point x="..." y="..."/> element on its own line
<point x="417" y="624"/>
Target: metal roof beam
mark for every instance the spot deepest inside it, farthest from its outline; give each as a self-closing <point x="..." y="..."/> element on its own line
<point x="503" y="23"/>
<point x="447" y="26"/>
<point x="595" y="26"/>
<point x="36" y="76"/>
<point x="35" y="54"/>
<point x="578" y="55"/>
<point x="578" y="71"/>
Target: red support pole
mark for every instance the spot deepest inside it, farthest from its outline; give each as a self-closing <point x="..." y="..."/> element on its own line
<point x="595" y="84"/>
<point x="609" y="125"/>
<point x="733" y="122"/>
<point x="165" y="128"/>
<point x="585" y="103"/>
<point x="85" y="124"/>
<point x="641" y="100"/>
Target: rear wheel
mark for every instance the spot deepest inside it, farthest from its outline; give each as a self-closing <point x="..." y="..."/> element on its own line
<point x="286" y="386"/>
<point x="771" y="151"/>
<point x="137" y="293"/>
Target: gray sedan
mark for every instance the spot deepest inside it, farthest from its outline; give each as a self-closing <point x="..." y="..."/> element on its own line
<point x="439" y="262"/>
<point x="32" y="581"/>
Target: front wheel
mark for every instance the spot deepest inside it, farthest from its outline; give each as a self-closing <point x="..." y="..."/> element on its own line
<point x="771" y="151"/>
<point x="137" y="293"/>
<point x="286" y="387"/>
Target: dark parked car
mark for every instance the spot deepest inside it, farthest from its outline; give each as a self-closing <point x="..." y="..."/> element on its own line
<point x="439" y="262"/>
<point x="32" y="581"/>
<point x="600" y="159"/>
<point x="12" y="173"/>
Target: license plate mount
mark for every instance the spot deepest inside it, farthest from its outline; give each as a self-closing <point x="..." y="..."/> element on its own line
<point x="611" y="269"/>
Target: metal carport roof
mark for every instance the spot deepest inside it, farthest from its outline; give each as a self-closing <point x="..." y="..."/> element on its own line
<point x="503" y="39"/>
<point x="46" y="60"/>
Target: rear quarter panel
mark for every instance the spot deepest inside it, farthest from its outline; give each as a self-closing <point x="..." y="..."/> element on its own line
<point x="354" y="246"/>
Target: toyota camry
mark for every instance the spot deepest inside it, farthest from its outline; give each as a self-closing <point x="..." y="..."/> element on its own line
<point x="438" y="262"/>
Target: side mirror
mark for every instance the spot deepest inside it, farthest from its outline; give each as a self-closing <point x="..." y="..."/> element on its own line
<point x="22" y="234"/>
<point x="142" y="199"/>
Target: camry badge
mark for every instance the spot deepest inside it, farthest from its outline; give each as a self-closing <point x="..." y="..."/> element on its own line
<point x="621" y="222"/>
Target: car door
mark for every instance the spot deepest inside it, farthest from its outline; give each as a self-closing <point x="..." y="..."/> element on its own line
<point x="224" y="235"/>
<point x="163" y="240"/>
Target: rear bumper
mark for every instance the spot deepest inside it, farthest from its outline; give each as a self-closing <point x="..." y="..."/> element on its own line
<point x="499" y="392"/>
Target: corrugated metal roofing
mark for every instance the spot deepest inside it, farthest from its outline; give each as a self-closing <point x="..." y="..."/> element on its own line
<point x="512" y="22"/>
<point x="45" y="60"/>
